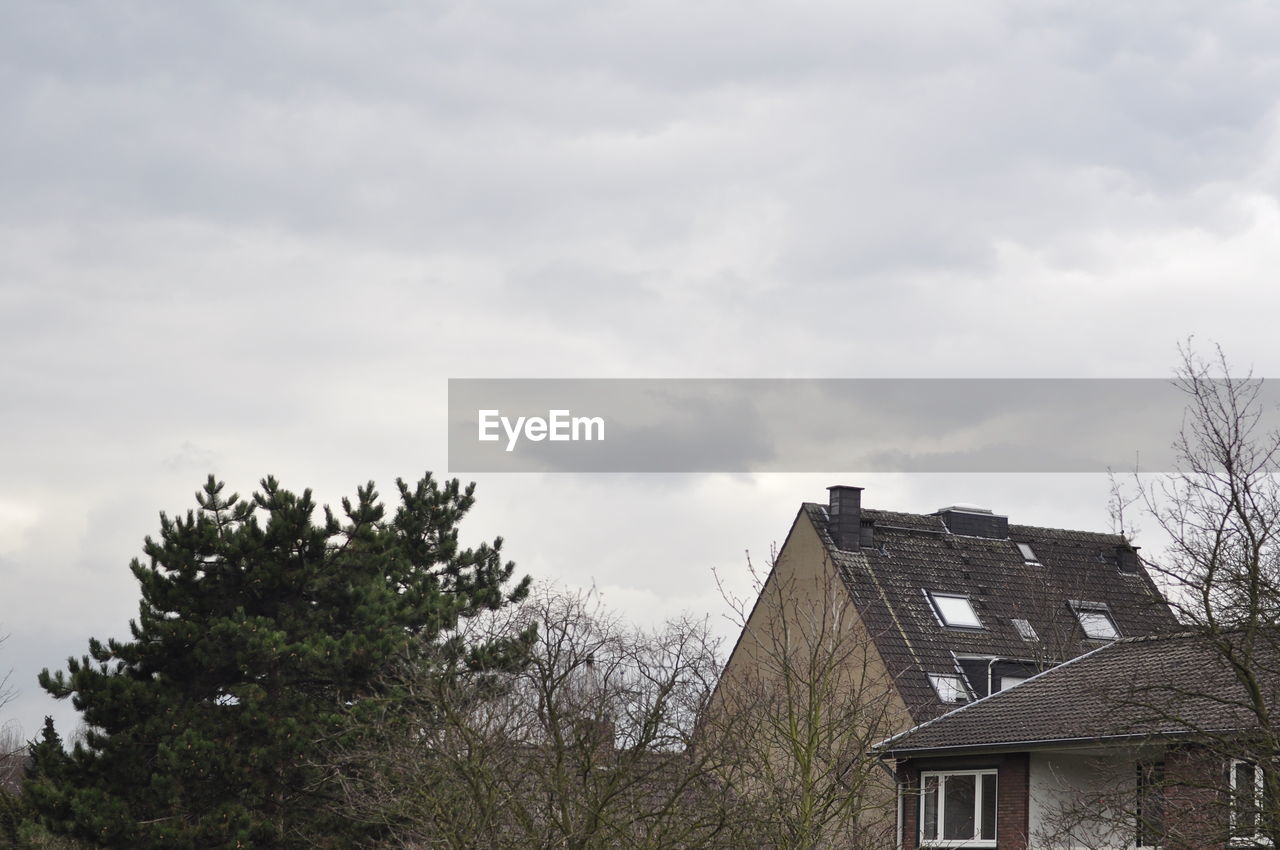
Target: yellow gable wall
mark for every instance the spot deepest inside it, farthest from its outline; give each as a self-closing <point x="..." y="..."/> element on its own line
<point x="804" y="638"/>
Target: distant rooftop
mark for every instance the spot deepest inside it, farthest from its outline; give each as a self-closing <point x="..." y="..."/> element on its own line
<point x="1175" y="685"/>
<point x="941" y="603"/>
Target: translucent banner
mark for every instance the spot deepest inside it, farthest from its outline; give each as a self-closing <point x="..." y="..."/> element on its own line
<point x="818" y="425"/>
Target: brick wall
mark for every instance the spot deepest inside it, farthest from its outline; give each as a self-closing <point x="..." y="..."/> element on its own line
<point x="1012" y="790"/>
<point x="1013" y="808"/>
<point x="1196" y="803"/>
<point x="1196" y="810"/>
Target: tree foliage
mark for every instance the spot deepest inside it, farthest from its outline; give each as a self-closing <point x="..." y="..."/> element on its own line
<point x="261" y="633"/>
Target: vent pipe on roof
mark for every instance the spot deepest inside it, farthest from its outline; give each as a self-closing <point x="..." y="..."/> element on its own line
<point x="844" y="516"/>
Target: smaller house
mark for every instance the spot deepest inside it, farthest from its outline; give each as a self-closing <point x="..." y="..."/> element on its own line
<point x="1144" y="742"/>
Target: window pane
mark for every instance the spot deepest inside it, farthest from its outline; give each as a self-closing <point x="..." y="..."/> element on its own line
<point x="1024" y="629"/>
<point x="1246" y="811"/>
<point x="1150" y="804"/>
<point x="1267" y="814"/>
<point x="956" y="611"/>
<point x="988" y="806"/>
<point x="959" y="801"/>
<point x="1028" y="554"/>
<point x="929" y="809"/>
<point x="948" y="687"/>
<point x="1097" y="625"/>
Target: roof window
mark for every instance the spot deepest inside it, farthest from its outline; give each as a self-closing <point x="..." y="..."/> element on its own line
<point x="954" y="609"/>
<point x="1095" y="619"/>
<point x="1028" y="554"/>
<point x="949" y="687"/>
<point x="1025" y="631"/>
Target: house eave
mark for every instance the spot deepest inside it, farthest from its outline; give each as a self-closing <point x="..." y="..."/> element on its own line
<point x="1043" y="744"/>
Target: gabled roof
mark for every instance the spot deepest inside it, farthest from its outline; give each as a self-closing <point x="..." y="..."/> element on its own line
<point x="912" y="554"/>
<point x="1175" y="685"/>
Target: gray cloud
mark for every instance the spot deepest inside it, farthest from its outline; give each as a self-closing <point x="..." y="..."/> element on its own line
<point x="261" y="236"/>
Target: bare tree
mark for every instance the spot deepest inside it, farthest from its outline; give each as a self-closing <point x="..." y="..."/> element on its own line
<point x="797" y="711"/>
<point x="1098" y="806"/>
<point x="7" y="693"/>
<point x="1218" y="781"/>
<point x="587" y="746"/>
<point x="1221" y="514"/>
<point x="13" y="749"/>
<point x="13" y="755"/>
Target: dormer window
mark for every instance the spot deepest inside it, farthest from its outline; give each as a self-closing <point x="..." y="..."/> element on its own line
<point x="1095" y="619"/>
<point x="949" y="687"/>
<point x="954" y="610"/>
<point x="1028" y="554"/>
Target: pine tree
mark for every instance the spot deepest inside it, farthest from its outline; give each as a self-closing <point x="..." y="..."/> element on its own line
<point x="260" y="634"/>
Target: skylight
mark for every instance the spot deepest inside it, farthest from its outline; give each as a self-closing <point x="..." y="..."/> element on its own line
<point x="1028" y="554"/>
<point x="1096" y="621"/>
<point x="1025" y="631"/>
<point x="949" y="687"/>
<point x="954" y="609"/>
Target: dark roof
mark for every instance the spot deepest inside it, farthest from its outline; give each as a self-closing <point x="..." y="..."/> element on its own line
<point x="1175" y="685"/>
<point x="914" y="553"/>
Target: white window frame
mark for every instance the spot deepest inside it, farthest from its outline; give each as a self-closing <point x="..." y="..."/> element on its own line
<point x="934" y="595"/>
<point x="961" y="690"/>
<point x="977" y="809"/>
<point x="1080" y="607"/>
<point x="1259" y="791"/>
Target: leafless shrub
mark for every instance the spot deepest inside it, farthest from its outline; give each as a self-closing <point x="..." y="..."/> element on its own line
<point x="588" y="745"/>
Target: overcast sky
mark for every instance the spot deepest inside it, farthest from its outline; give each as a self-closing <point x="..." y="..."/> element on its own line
<point x="258" y="237"/>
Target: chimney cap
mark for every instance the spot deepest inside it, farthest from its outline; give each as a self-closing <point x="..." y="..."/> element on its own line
<point x="845" y="487"/>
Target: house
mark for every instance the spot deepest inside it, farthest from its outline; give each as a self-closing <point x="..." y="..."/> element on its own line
<point x="1143" y="742"/>
<point x="946" y="608"/>
<point x="960" y="603"/>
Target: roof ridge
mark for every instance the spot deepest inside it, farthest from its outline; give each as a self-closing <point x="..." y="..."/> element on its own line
<point x="1155" y="636"/>
<point x="1013" y="525"/>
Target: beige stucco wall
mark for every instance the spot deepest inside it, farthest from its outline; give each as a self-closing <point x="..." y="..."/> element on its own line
<point x="1095" y="790"/>
<point x="804" y="609"/>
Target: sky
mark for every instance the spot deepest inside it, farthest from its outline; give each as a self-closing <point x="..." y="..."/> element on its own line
<point x="256" y="238"/>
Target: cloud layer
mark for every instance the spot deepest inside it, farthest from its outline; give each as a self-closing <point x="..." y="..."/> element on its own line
<point x="258" y="237"/>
